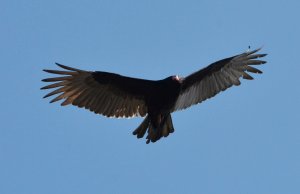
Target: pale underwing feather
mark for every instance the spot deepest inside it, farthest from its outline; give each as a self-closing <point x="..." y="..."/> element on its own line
<point x="79" y="88"/>
<point x="217" y="77"/>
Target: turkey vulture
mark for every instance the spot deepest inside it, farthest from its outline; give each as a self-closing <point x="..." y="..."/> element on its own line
<point x="114" y="95"/>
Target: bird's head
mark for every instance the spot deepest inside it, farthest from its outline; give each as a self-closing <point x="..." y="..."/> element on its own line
<point x="177" y="78"/>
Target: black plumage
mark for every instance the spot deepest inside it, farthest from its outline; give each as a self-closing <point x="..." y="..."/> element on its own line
<point x="114" y="95"/>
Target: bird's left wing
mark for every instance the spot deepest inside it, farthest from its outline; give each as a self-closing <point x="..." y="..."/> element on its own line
<point x="109" y="94"/>
<point x="217" y="77"/>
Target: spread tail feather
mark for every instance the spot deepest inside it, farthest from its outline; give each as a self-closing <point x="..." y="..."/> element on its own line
<point x="164" y="128"/>
<point x="142" y="128"/>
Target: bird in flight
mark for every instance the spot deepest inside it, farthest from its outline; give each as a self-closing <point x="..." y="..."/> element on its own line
<point x="114" y="95"/>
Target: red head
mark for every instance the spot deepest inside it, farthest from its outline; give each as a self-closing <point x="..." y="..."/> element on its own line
<point x="176" y="78"/>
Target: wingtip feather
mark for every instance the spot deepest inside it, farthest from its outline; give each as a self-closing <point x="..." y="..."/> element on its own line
<point x="67" y="67"/>
<point x="247" y="76"/>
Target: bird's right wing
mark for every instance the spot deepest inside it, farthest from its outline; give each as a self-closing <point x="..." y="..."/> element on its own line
<point x="109" y="94"/>
<point x="217" y="77"/>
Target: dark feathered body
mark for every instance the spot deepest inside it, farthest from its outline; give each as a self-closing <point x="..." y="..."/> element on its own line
<point x="114" y="95"/>
<point x="160" y="102"/>
<point x="163" y="95"/>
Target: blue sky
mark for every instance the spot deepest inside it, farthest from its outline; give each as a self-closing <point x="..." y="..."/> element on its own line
<point x="245" y="140"/>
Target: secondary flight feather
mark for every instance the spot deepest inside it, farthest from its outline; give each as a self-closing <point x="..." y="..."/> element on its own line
<point x="115" y="95"/>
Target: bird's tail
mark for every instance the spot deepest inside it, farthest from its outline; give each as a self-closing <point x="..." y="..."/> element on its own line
<point x="155" y="130"/>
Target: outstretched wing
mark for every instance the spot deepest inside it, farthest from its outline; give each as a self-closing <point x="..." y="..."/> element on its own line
<point x="109" y="94"/>
<point x="217" y="77"/>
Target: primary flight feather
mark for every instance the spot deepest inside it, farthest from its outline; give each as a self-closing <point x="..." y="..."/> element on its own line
<point x="114" y="95"/>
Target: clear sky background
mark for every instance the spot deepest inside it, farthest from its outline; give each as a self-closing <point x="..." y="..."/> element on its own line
<point x="245" y="140"/>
